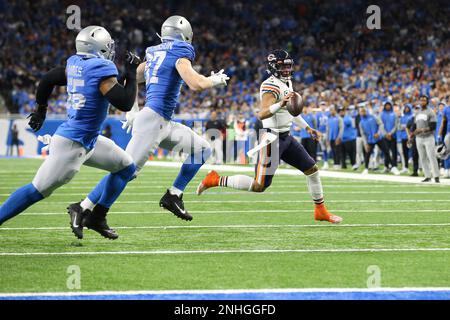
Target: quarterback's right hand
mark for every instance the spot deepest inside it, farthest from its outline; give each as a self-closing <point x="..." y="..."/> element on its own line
<point x="130" y="116"/>
<point x="219" y="78"/>
<point x="286" y="99"/>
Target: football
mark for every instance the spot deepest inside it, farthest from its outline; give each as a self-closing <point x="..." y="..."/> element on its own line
<point x="295" y="106"/>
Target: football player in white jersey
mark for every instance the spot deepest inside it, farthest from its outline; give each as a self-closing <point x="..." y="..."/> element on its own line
<point x="275" y="93"/>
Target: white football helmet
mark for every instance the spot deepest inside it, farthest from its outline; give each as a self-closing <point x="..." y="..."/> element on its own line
<point x="443" y="151"/>
<point x="95" y="41"/>
<point x="177" y="27"/>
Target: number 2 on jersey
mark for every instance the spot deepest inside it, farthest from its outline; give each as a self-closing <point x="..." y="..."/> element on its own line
<point x="154" y="62"/>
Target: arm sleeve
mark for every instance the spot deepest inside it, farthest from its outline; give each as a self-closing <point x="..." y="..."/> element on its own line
<point x="271" y="88"/>
<point x="123" y="97"/>
<point x="301" y="122"/>
<point x="433" y="126"/>
<point x="185" y="50"/>
<point x="55" y="77"/>
<point x="394" y="129"/>
<point x="120" y="96"/>
<point x="381" y="130"/>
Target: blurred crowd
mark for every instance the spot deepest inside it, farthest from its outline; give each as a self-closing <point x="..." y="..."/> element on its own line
<point x="337" y="59"/>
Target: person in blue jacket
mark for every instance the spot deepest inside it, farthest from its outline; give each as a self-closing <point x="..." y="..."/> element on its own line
<point x="348" y="145"/>
<point x="442" y="121"/>
<point x="372" y="132"/>
<point x="390" y="123"/>
<point x="322" y="124"/>
<point x="335" y="130"/>
<point x="307" y="141"/>
<point x="403" y="135"/>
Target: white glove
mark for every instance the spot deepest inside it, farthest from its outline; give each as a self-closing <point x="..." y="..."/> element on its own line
<point x="219" y="78"/>
<point x="130" y="116"/>
<point x="45" y="139"/>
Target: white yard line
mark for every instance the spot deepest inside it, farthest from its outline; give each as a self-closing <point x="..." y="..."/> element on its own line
<point x="278" y="201"/>
<point x="174" y="252"/>
<point x="252" y="226"/>
<point x="212" y="193"/>
<point x="113" y="212"/>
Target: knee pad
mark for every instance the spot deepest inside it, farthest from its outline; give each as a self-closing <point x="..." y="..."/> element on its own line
<point x="46" y="188"/>
<point x="128" y="173"/>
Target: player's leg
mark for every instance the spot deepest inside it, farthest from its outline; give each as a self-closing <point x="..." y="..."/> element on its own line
<point x="352" y="151"/>
<point x="218" y="147"/>
<point x="64" y="161"/>
<point x="431" y="152"/>
<point x="148" y="130"/>
<point x="324" y="148"/>
<point x="423" y="158"/>
<point x="405" y="151"/>
<point x="447" y="161"/>
<point x="295" y="155"/>
<point x="183" y="138"/>
<point x="264" y="170"/>
<point x="110" y="157"/>
<point x="367" y="156"/>
<point x="359" y="154"/>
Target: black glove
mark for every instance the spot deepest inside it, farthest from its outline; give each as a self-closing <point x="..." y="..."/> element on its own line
<point x="37" y="118"/>
<point x="133" y="61"/>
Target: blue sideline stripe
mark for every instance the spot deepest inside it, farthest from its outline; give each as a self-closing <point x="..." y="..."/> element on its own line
<point x="316" y="295"/>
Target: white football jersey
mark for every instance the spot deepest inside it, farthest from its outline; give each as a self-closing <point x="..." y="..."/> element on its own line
<point x="281" y="121"/>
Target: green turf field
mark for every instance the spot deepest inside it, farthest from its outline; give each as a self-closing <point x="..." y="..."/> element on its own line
<point x="237" y="240"/>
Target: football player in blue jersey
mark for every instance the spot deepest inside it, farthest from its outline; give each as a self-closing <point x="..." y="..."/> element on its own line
<point x="167" y="65"/>
<point x="91" y="80"/>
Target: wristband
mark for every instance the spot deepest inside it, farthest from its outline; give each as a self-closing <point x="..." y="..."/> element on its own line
<point x="274" y="108"/>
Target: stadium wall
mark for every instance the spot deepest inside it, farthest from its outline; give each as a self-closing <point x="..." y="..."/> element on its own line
<point x="31" y="147"/>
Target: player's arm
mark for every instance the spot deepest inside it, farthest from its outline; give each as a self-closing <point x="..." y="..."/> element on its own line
<point x="443" y="126"/>
<point x="381" y="131"/>
<point x="140" y="73"/>
<point x="122" y="97"/>
<point x="55" y="77"/>
<point x="196" y="81"/>
<point x="269" y="104"/>
<point x="302" y="124"/>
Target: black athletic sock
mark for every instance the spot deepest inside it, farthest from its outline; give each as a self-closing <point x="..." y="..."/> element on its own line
<point x="100" y="211"/>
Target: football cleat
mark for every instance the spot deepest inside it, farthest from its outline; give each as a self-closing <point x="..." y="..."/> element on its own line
<point x="98" y="224"/>
<point x="321" y="214"/>
<point x="175" y="204"/>
<point x="211" y="180"/>
<point x="76" y="214"/>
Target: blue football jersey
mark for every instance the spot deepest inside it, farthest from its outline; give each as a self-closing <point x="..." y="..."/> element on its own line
<point x="447" y="116"/>
<point x="162" y="80"/>
<point x="87" y="108"/>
